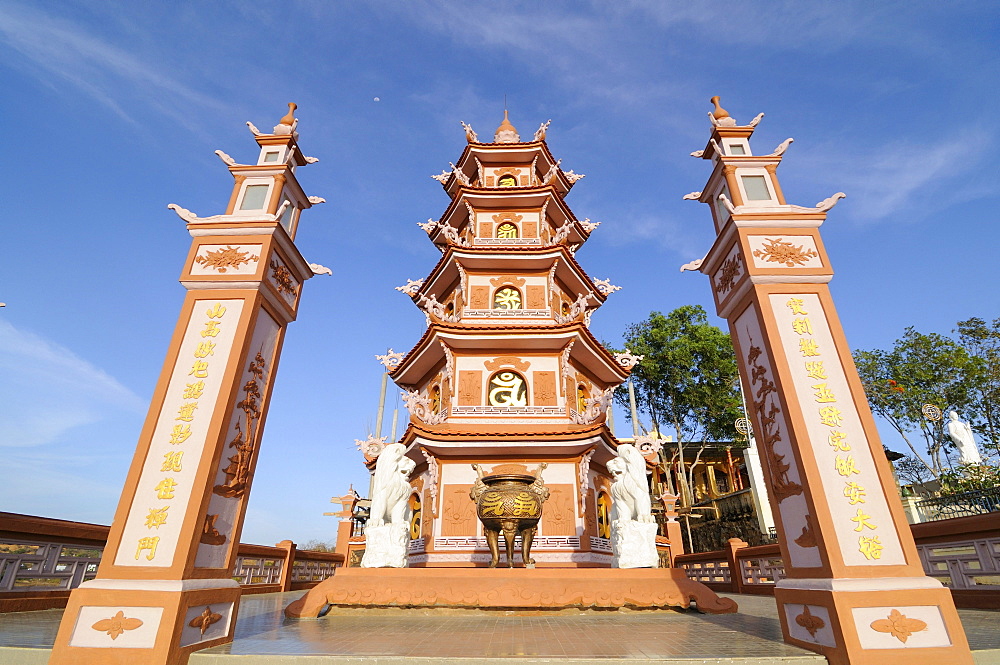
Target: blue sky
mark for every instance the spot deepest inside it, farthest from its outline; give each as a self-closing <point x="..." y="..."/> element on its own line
<point x="112" y="110"/>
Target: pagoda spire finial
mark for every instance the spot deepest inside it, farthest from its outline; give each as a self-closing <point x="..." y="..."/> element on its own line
<point x="506" y="132"/>
<point x="288" y="121"/>
<point x="720" y="116"/>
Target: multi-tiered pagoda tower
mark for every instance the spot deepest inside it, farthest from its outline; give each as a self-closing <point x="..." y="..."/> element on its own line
<point x="507" y="374"/>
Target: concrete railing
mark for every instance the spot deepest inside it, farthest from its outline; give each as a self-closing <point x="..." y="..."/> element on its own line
<point x="737" y="569"/>
<point x="43" y="559"/>
<point x="963" y="553"/>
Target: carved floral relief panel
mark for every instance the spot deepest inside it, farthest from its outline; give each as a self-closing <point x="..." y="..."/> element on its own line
<point x="558" y="514"/>
<point x="458" y="512"/>
<point x="809" y="623"/>
<point x="901" y="627"/>
<point x="728" y="274"/>
<point x="544" y="384"/>
<point x="784" y="251"/>
<point x="281" y="278"/>
<point x="117" y="626"/>
<point x="205" y="622"/>
<point x="480" y="297"/>
<point x="535" y="296"/>
<point x="226" y="260"/>
<point x="470" y="388"/>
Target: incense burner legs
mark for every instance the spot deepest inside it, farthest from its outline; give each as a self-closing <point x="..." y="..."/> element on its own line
<point x="510" y="529"/>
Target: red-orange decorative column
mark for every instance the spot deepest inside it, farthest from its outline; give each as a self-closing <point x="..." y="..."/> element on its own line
<point x="164" y="587"/>
<point x="855" y="591"/>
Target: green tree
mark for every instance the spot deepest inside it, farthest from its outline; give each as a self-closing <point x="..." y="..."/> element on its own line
<point x="919" y="369"/>
<point x="981" y="340"/>
<point x="687" y="381"/>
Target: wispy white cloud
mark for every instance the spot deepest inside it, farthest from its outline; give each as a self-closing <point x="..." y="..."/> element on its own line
<point x="47" y="391"/>
<point x="904" y="179"/>
<point x="58" y="51"/>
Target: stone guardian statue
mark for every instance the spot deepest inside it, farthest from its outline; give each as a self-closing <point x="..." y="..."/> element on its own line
<point x="387" y="534"/>
<point x="961" y="434"/>
<point x="633" y="528"/>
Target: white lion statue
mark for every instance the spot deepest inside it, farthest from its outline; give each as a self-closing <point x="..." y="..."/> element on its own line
<point x="391" y="489"/>
<point x="388" y="530"/>
<point x="629" y="491"/>
<point x="633" y="527"/>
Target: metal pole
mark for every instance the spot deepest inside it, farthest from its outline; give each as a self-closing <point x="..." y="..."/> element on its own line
<point x="381" y="406"/>
<point x="395" y="418"/>
<point x="631" y="404"/>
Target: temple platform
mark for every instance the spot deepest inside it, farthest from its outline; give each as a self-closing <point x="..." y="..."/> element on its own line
<point x="475" y="637"/>
<point x="510" y="589"/>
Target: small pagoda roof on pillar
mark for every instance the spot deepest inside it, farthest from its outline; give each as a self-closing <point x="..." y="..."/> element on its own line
<point x="743" y="186"/>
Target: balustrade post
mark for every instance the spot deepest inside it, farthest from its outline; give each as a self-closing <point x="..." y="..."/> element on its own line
<point x="733" y="545"/>
<point x="289" y="563"/>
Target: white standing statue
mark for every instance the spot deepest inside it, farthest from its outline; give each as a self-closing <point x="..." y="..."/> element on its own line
<point x="961" y="434"/>
<point x="633" y="528"/>
<point x="387" y="534"/>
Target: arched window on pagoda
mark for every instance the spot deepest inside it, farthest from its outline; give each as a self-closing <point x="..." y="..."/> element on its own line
<point x="436" y="399"/>
<point x="507" y="388"/>
<point x="414" y="517"/>
<point x="507" y="230"/>
<point x="507" y="297"/>
<point x="603" y="515"/>
<point x="582" y="395"/>
<point x="507" y="181"/>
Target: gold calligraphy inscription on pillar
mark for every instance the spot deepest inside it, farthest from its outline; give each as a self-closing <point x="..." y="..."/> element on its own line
<point x="148" y="543"/>
<point x="832" y="417"/>
<point x="172" y="462"/>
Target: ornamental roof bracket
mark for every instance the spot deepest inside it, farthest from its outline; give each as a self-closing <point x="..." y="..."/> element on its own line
<point x="470" y="134"/>
<point x="782" y="147"/>
<point x="411" y="287"/>
<point x="390" y="360"/>
<point x="541" y="131"/>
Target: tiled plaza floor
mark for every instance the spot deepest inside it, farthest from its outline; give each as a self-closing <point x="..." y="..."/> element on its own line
<point x="383" y="637"/>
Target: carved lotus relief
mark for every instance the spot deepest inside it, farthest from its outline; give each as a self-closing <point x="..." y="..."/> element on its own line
<point x="898" y="625"/>
<point x="809" y="621"/>
<point x="116" y="625"/>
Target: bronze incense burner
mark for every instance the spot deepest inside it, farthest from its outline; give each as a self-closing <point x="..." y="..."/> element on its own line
<point x="509" y="503"/>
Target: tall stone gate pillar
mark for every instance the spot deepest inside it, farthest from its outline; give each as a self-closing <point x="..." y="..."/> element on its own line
<point x="164" y="587"/>
<point x="855" y="591"/>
